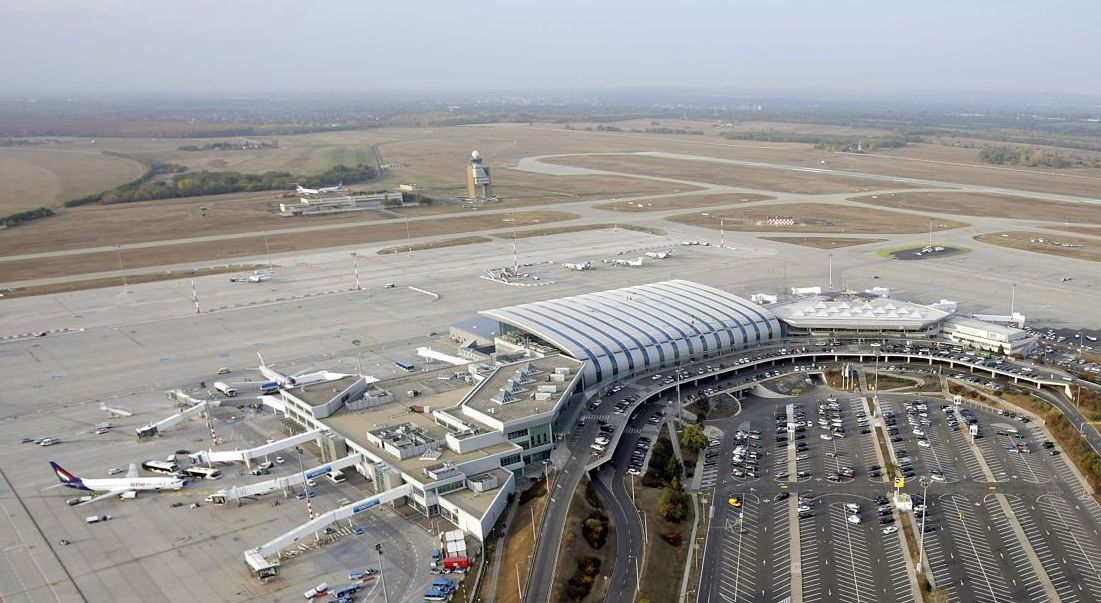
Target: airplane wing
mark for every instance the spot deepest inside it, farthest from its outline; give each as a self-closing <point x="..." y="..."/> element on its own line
<point x="133" y="471"/>
<point x="110" y="494"/>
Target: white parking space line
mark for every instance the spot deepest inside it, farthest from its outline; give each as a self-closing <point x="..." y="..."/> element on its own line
<point x="939" y="564"/>
<point x="809" y="538"/>
<point x="1023" y="577"/>
<point x="1081" y="550"/>
<point x="986" y="582"/>
<point x="850" y="554"/>
<point x="1052" y="565"/>
<point x="738" y="564"/>
<point x="779" y="581"/>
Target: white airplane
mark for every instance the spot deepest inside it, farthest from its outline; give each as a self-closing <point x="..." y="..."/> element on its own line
<point x="659" y="255"/>
<point x="126" y="487"/>
<point x="629" y="263"/>
<point x="579" y="266"/>
<point x="317" y="191"/>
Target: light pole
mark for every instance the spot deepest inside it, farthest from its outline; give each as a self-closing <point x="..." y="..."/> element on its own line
<point x="924" y="481"/>
<point x="382" y="574"/>
<point x="638" y="579"/>
<point x="355" y="268"/>
<point x="875" y="394"/>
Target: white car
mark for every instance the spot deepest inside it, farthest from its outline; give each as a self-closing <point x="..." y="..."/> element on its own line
<point x="924" y="444"/>
<point x="598" y="448"/>
<point x="938" y="477"/>
<point x="854" y="519"/>
<point x="890" y="529"/>
<point x="826" y="436"/>
<point x="603" y="441"/>
<point x="633" y="471"/>
<point x="279" y="460"/>
<point x="802" y="457"/>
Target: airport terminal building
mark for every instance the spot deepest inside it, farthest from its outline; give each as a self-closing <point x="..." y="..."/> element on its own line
<point x="634" y="330"/>
<point x="462" y="437"/>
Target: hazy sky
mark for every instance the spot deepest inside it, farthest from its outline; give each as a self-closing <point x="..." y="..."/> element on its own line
<point x="405" y="45"/>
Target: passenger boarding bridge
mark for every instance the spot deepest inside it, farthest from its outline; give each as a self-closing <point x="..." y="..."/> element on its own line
<point x="236" y="493"/>
<point x="264" y="560"/>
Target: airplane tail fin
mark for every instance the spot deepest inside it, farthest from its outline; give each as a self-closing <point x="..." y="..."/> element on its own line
<point x="63" y="476"/>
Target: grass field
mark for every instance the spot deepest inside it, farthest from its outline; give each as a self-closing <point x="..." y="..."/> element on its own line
<point x="1090" y="249"/>
<point x="435" y="159"/>
<point x="823" y="242"/>
<point x="986" y="205"/>
<point x="664" y="566"/>
<point x="49" y="175"/>
<point x="819" y="217"/>
<point x="543" y="232"/>
<point x="435" y="245"/>
<point x="726" y="174"/>
<point x="574" y="545"/>
<point x="132" y="279"/>
<point x="255" y="245"/>
<point x="687" y="202"/>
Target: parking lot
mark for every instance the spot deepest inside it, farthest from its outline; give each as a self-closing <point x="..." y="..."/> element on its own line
<point x="970" y="544"/>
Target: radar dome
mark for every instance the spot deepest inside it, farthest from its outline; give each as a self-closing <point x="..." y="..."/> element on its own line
<point x="476" y="156"/>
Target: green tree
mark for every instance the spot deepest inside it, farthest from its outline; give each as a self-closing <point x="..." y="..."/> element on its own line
<point x="693" y="438"/>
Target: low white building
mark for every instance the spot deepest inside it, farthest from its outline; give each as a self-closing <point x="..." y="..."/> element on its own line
<point x="988" y="336"/>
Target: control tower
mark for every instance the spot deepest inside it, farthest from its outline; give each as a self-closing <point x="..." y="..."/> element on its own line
<point x="478" y="183"/>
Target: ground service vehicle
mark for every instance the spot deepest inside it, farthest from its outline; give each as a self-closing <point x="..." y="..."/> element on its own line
<point x="405" y="365"/>
<point x="225" y="389"/>
<point x="336" y="476"/>
<point x="165" y="467"/>
<point x="203" y="473"/>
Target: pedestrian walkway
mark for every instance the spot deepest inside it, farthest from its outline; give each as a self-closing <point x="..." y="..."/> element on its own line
<point x="490" y="589"/>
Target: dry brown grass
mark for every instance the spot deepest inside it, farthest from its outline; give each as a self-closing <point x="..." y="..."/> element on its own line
<point x="1086" y="230"/>
<point x="688" y="202"/>
<point x="987" y="205"/>
<point x="543" y="232"/>
<point x="664" y="566"/>
<point x="131" y="279"/>
<point x="726" y="174"/>
<point x="574" y="546"/>
<point x="820" y="217"/>
<point x="517" y="557"/>
<point x="823" y="242"/>
<point x="48" y="175"/>
<point x="1090" y="250"/>
<point x="392" y="230"/>
<point x="435" y="245"/>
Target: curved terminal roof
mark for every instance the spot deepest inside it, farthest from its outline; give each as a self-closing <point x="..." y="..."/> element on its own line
<point x="635" y="329"/>
<point x="842" y="310"/>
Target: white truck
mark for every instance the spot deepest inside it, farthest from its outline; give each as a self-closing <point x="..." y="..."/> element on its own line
<point x="225" y="389"/>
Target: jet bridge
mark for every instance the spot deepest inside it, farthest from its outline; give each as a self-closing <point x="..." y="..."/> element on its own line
<point x="152" y="429"/>
<point x="236" y="493"/>
<point x="264" y="560"/>
<point x="206" y="457"/>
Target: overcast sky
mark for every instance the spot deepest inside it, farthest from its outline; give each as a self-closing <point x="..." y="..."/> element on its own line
<point x="406" y="45"/>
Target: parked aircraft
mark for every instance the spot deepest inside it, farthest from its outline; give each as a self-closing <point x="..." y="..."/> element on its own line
<point x="125" y="486"/>
<point x="630" y="263"/>
<point x="578" y="266"/>
<point x="317" y="191"/>
<point x="660" y="255"/>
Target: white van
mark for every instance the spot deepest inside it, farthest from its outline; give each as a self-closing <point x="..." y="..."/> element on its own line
<point x="316" y="591"/>
<point x="336" y="477"/>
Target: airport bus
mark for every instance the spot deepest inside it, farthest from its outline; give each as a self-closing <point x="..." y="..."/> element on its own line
<point x="164" y="467"/>
<point x="202" y="472"/>
<point x="405" y="365"/>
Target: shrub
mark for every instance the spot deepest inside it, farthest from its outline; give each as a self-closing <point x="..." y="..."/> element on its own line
<point x="672" y="537"/>
<point x="595" y="529"/>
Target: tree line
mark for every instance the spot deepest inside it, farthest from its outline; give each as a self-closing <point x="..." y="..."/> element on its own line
<point x="1029" y="157"/>
<point x="195" y="184"/>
